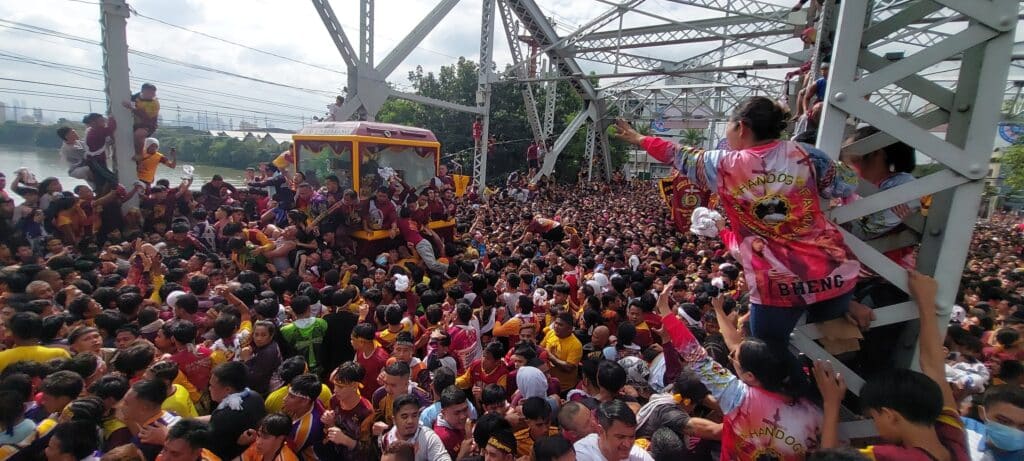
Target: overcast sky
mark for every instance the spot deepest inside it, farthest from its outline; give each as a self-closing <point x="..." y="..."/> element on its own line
<point x="288" y="28"/>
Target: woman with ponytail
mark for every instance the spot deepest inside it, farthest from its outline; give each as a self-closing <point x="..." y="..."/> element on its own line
<point x="765" y="413"/>
<point x="769" y="189"/>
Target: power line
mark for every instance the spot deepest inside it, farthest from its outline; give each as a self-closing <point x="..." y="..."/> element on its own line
<point x="63" y="111"/>
<point x="95" y="74"/>
<point x="50" y="84"/>
<point x="204" y="34"/>
<point x="269" y="53"/>
<point x="53" y="33"/>
<point x="185" y="108"/>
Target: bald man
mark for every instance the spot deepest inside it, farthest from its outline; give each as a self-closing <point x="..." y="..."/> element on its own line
<point x="577" y="421"/>
<point x="599" y="339"/>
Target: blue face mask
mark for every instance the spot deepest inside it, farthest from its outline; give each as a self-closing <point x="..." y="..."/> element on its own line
<point x="381" y="260"/>
<point x="1004" y="437"/>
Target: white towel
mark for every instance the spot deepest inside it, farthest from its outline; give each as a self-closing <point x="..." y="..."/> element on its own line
<point x="703" y="222"/>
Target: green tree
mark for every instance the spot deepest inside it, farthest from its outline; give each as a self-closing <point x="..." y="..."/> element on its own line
<point x="694" y="137"/>
<point x="508" y="121"/>
<point x="1013" y="166"/>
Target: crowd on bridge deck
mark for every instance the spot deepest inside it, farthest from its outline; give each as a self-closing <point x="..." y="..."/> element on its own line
<point x="565" y="320"/>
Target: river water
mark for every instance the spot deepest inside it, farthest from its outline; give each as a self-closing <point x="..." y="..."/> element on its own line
<point x="46" y="162"/>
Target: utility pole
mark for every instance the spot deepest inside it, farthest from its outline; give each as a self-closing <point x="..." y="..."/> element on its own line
<point x="113" y="25"/>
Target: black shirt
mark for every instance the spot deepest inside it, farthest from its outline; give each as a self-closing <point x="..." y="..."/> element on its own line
<point x="337" y="345"/>
<point x="227" y="424"/>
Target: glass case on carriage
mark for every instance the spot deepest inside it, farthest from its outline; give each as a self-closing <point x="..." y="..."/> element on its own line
<point x="359" y="152"/>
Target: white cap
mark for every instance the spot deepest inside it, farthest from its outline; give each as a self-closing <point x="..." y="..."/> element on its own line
<point x="172" y="298"/>
<point x="401" y="283"/>
<point x="958" y="315"/>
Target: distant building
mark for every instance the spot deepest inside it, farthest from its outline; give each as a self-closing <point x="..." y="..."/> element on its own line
<point x="38" y="114"/>
<point x="638" y="163"/>
<point x="261" y="137"/>
<point x="3" y="112"/>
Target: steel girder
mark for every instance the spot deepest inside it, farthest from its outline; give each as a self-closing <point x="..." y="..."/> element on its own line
<point x="568" y="42"/>
<point x="748" y="8"/>
<point x="686" y="32"/>
<point x="532" y="20"/>
<point x="550" y="98"/>
<point x="598" y="160"/>
<point x="520" y="67"/>
<point x="367" y="85"/>
<point x="483" y="93"/>
<point x="563" y="139"/>
<point x="971" y="111"/>
<point x="366" y="32"/>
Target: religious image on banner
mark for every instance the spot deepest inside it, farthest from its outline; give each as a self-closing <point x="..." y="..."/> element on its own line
<point x="682" y="197"/>
<point x="658" y="124"/>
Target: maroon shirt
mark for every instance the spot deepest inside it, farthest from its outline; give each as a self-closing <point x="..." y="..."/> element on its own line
<point x="421" y="216"/>
<point x="410" y="230"/>
<point x="532" y="152"/>
<point x="196" y="367"/>
<point x="387" y="210"/>
<point x="437" y="210"/>
<point x="95" y="138"/>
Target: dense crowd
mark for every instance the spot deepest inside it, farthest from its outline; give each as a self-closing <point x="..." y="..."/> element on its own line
<point x="560" y="322"/>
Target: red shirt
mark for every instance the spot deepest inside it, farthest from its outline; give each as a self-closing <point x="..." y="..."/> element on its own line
<point x="372" y="365"/>
<point x="532" y="152"/>
<point x="948" y="427"/>
<point x="196" y="367"/>
<point x="95" y="138"/>
<point x="541" y="225"/>
<point x="498" y="375"/>
<point x="410" y="230"/>
<point x="450" y="436"/>
<point x="421" y="216"/>
<point x="387" y="213"/>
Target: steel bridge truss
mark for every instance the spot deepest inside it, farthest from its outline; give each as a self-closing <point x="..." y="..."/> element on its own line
<point x="884" y="58"/>
<point x="969" y="106"/>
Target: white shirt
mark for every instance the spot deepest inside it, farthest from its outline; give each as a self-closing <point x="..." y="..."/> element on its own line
<point x="428" y="445"/>
<point x="588" y="450"/>
<point x="333" y="111"/>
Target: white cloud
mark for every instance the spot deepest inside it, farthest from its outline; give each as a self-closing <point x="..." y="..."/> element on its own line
<point x="287" y="27"/>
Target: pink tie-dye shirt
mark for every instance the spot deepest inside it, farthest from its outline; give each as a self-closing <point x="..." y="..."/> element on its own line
<point x="791" y="254"/>
<point x="758" y="424"/>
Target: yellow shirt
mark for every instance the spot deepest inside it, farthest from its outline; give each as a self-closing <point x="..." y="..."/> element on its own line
<point x="182" y="380"/>
<point x="157" y="281"/>
<point x="275" y="401"/>
<point x="32" y="354"/>
<point x="146" y="167"/>
<point x="525" y="443"/>
<point x="180" y="403"/>
<point x="568" y="349"/>
<point x="284" y="160"/>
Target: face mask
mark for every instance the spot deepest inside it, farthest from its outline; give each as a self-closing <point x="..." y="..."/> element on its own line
<point x="1004" y="437"/>
<point x="381" y="261"/>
